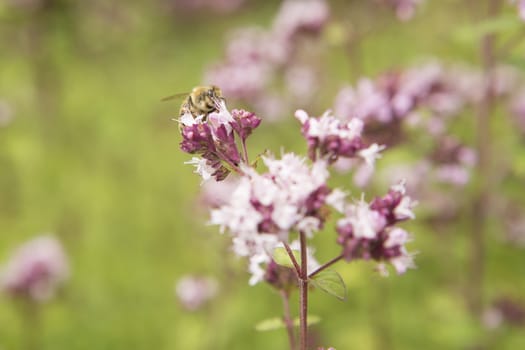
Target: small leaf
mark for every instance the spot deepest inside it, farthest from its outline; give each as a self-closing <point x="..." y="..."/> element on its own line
<point x="330" y="282"/>
<point x="281" y="257"/>
<point x="272" y="324"/>
<point x="311" y="320"/>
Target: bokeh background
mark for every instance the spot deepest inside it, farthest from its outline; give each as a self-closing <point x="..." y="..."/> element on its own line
<point x="89" y="154"/>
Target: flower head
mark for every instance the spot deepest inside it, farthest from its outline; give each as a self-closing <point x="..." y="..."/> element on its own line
<point x="301" y="16"/>
<point x="265" y="208"/>
<point x="329" y="138"/>
<point x="212" y="137"/>
<point x="368" y="231"/>
<point x="194" y="291"/>
<point x="35" y="270"/>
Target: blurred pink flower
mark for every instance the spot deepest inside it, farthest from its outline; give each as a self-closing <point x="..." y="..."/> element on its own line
<point x="429" y="88"/>
<point x="195" y="291"/>
<point x="453" y="174"/>
<point x="260" y="65"/>
<point x="365" y="102"/>
<point x="36" y="269"/>
<point x="217" y="193"/>
<point x="504" y="310"/>
<point x="240" y="80"/>
<point x="300" y="16"/>
<point x="255" y="45"/>
<point x="301" y="81"/>
<point x="330" y="138"/>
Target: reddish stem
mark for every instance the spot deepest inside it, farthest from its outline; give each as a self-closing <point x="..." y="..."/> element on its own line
<point x="245" y="151"/>
<point x="292" y="258"/>
<point x="303" y="297"/>
<point x="288" y="319"/>
<point x="326" y="265"/>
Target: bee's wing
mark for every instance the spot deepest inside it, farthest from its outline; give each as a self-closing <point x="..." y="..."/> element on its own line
<point x="176" y="96"/>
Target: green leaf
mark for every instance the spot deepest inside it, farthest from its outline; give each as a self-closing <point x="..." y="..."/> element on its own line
<point x="281" y="257"/>
<point x="330" y="282"/>
<point x="272" y="324"/>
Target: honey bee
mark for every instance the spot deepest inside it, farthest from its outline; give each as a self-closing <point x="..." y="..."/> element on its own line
<point x="201" y="101"/>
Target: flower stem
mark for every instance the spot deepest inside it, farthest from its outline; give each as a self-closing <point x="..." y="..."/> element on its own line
<point x="222" y="156"/>
<point x="294" y="261"/>
<point x="326" y="265"/>
<point x="303" y="297"/>
<point x="30" y="313"/>
<point x="245" y="151"/>
<point x="482" y="201"/>
<point x="288" y="319"/>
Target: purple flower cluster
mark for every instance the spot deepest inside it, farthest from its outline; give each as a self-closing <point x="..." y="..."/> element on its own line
<point x="257" y="59"/>
<point x="369" y="231"/>
<point x="452" y="162"/>
<point x="213" y="139"/>
<point x="265" y="208"/>
<point x="329" y="138"/>
<point x="430" y="90"/>
<point x="35" y="270"/>
<point x="291" y="197"/>
<point x="426" y="99"/>
<point x="396" y="95"/>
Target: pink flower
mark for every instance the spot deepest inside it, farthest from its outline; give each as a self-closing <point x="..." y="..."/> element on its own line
<point x="285" y="198"/>
<point x="300" y="16"/>
<point x="240" y="80"/>
<point x="195" y="291"/>
<point x="365" y="102"/>
<point x="329" y="138"/>
<point x="266" y="208"/>
<point x="217" y="193"/>
<point x="35" y="270"/>
<point x="368" y="231"/>
<point x="213" y="138"/>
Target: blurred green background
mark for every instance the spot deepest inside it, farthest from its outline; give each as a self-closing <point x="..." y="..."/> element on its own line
<point x="91" y="155"/>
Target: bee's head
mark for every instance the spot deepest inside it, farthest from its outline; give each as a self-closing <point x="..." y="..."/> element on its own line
<point x="215" y="94"/>
<point x="207" y="99"/>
